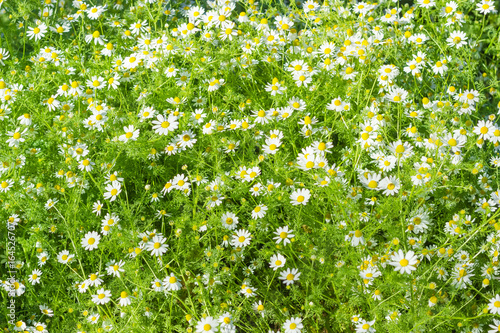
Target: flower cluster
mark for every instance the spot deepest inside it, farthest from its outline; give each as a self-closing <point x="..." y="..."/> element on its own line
<point x="239" y="166"/>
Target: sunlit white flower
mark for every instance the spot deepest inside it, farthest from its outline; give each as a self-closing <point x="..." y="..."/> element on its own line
<point x="404" y="263"/>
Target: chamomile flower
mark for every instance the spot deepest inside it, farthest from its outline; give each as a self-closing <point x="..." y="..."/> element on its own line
<point x="293" y="325"/>
<point x="97" y="207"/>
<point x="164" y="125"/>
<point x="486" y="7"/>
<point x="271" y="146"/>
<point x="364" y="326"/>
<point x="494" y="305"/>
<point x="101" y="297"/>
<point x="6" y="185"/>
<point x="171" y="283"/>
<point x="259" y="211"/>
<point x="16" y="137"/>
<point x="283" y="234"/>
<point x="277" y="261"/>
<point x="404" y="263"/>
<point x="207" y="325"/>
<point x="300" y="197"/>
<point x="289" y="276"/>
<point x="35" y="276"/>
<point x="229" y="220"/>
<point x="397" y="95"/>
<point x="64" y="257"/>
<point x="37" y="32"/>
<point x="157" y="245"/>
<point x="91" y="241"/>
<point x="131" y="134"/>
<point x="112" y="191"/>
<point x="94" y="280"/>
<point x="457" y="39"/>
<point x="40" y="327"/>
<point x="45" y="310"/>
<point x="356" y="238"/>
<point x="124" y="299"/>
<point x="115" y="268"/>
<point x="390" y="185"/>
<point x="4" y="55"/>
<point x="242" y="238"/>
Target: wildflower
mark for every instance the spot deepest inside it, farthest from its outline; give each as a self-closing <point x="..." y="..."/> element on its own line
<point x="289" y="276"/>
<point x="277" y="261"/>
<point x="494" y="305"/>
<point x="86" y="165"/>
<point x="259" y="212"/>
<point x="16" y="137"/>
<point x="40" y="327"/>
<point x="404" y="263"/>
<point x="300" y="197"/>
<point x="484" y="129"/>
<point x="97" y="207"/>
<point x="94" y="280"/>
<point x="112" y="191"/>
<point x="242" y="238"/>
<point x="91" y="241"/>
<point x="6" y="185"/>
<point x="390" y="185"/>
<point x="35" y="276"/>
<point x="37" y="32"/>
<point x="171" y="283"/>
<point x="164" y="125"/>
<point x="293" y="325"/>
<point x="486" y="7"/>
<point x="283" y="234"/>
<point x="495" y="327"/>
<point x="102" y="296"/>
<point x="457" y="39"/>
<point x="4" y="54"/>
<point x="50" y="203"/>
<point x="426" y="3"/>
<point x="229" y="221"/>
<point x="115" y="268"/>
<point x="275" y="88"/>
<point x="364" y="326"/>
<point x="207" y="325"/>
<point x="397" y="95"/>
<point x="157" y="245"/>
<point x="226" y="322"/>
<point x="130" y="134"/>
<point x="124" y="299"/>
<point x="356" y="238"/>
<point x="44" y="309"/>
